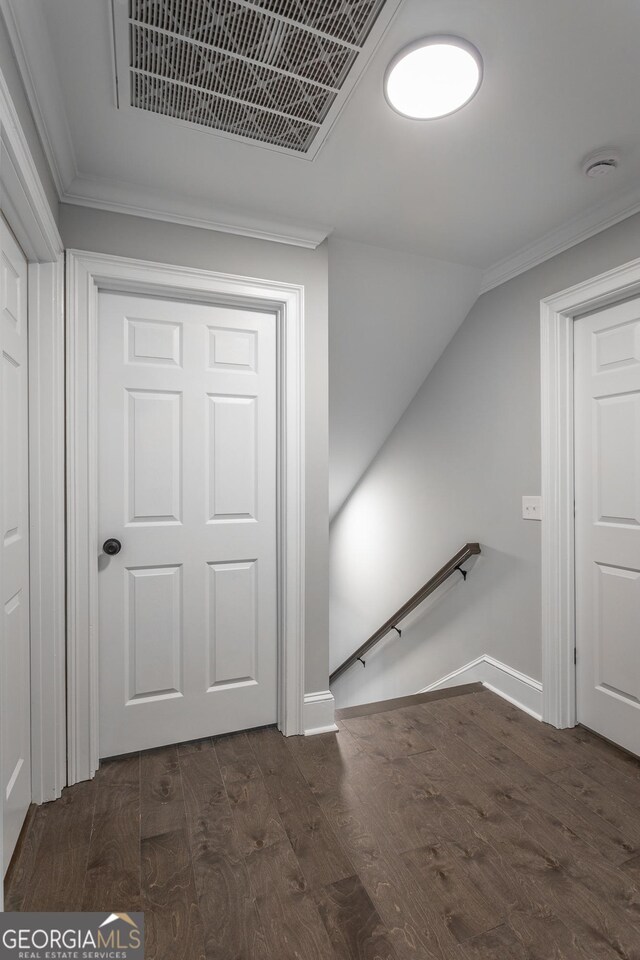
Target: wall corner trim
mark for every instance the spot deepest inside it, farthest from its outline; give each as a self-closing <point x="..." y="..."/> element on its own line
<point x="319" y="713"/>
<point x="139" y="202"/>
<point x="557" y="316"/>
<point x="24" y="205"/>
<point x="522" y="691"/>
<point x="569" y="234"/>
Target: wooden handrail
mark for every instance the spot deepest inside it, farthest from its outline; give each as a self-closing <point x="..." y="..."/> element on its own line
<point x="469" y="550"/>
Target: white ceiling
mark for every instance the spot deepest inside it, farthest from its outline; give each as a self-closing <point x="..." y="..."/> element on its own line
<point x="496" y="187"/>
<point x="561" y="79"/>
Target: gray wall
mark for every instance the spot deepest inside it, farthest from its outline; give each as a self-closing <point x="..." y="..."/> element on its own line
<point x="391" y="314"/>
<point x="11" y="74"/>
<point x="453" y="470"/>
<point x="127" y="236"/>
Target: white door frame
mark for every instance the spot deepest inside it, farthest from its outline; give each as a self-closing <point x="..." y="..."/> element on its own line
<point x="24" y="204"/>
<point x="558" y="314"/>
<point x="87" y="275"/>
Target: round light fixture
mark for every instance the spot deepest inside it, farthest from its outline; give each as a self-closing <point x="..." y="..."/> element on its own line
<point x="433" y="77"/>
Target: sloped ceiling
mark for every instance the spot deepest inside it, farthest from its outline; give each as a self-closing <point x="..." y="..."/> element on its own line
<point x="390" y="317"/>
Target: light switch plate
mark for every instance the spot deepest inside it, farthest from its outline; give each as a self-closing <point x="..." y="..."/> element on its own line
<point x="532" y="508"/>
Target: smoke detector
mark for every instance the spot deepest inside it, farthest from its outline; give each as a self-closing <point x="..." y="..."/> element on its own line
<point x="600" y="164"/>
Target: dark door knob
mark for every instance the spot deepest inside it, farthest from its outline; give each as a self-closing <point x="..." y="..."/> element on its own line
<point x="112" y="546"/>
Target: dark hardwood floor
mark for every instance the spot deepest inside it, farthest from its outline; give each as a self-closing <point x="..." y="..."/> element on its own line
<point x="449" y="829"/>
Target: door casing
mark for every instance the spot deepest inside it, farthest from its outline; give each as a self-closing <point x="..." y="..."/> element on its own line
<point x="87" y="274"/>
<point x="558" y="314"/>
<point x="26" y="208"/>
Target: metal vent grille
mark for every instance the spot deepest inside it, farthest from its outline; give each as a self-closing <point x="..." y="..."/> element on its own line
<point x="264" y="70"/>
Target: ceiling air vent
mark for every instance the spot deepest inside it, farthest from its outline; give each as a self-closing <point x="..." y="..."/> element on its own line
<point x="274" y="72"/>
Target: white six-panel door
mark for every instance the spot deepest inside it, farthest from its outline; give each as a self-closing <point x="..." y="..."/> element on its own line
<point x="187" y="483"/>
<point x="15" y="722"/>
<point x="607" y="454"/>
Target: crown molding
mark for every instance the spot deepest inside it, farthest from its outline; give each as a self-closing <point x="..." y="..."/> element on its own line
<point x="27" y="31"/>
<point x="588" y="224"/>
<point x="141" y="202"/>
<point x="24" y="201"/>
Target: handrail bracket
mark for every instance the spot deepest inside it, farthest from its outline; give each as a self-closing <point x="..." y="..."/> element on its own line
<point x="469" y="550"/>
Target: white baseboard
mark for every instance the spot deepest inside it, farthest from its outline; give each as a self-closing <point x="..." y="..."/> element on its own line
<point x="319" y="711"/>
<point x="510" y="684"/>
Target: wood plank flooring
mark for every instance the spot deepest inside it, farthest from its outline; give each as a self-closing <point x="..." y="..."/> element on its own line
<point x="448" y="829"/>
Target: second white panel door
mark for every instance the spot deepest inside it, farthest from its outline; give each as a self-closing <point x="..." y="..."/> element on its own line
<point x="607" y="500"/>
<point x="187" y="485"/>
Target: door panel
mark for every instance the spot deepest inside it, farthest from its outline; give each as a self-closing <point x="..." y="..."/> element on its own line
<point x="154" y="462"/>
<point x="153" y="341"/>
<point x="187" y="478"/>
<point x="617" y="601"/>
<point x="616" y="452"/>
<point x="232" y="458"/>
<point x="233" y="608"/>
<point x="15" y="722"/>
<point x="154" y="635"/>
<point x="607" y="442"/>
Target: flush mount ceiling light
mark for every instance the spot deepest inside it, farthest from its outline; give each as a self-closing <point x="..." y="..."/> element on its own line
<point x="433" y="77"/>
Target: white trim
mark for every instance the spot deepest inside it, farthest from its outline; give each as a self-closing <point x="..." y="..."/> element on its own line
<point x="87" y="273"/>
<point x="557" y="316"/>
<point x="24" y="204"/>
<point x="47" y="532"/>
<point x="24" y="201"/>
<point x="27" y="29"/>
<point x="588" y="224"/>
<point x="127" y="198"/>
<point x="142" y="202"/>
<point x="522" y="691"/>
<point x="319" y="713"/>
